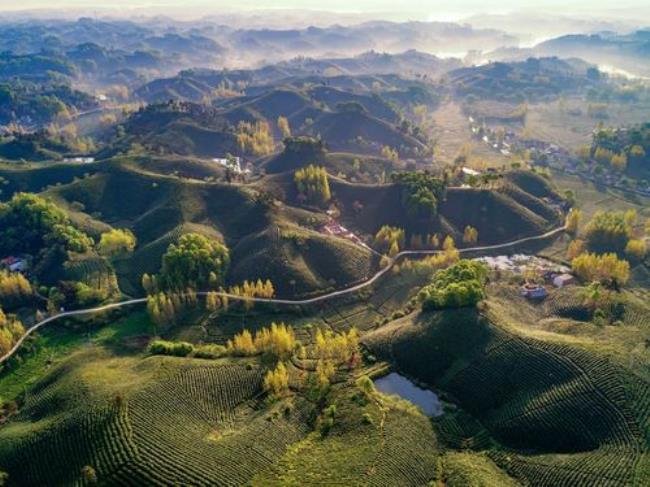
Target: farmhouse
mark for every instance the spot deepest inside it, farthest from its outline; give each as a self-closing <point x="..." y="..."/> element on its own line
<point x="232" y="163"/>
<point x="563" y="280"/>
<point x="533" y="291"/>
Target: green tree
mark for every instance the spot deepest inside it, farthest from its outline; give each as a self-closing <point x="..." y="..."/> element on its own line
<point x="191" y="262"/>
<point x="117" y="242"/>
<point x="460" y="285"/>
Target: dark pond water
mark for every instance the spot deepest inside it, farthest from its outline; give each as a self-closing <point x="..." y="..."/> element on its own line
<point x="395" y="383"/>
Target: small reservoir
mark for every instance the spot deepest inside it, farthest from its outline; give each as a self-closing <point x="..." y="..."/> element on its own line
<point x="399" y="385"/>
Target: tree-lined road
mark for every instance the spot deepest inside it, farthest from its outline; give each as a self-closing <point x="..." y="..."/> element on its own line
<point x="296" y="302"/>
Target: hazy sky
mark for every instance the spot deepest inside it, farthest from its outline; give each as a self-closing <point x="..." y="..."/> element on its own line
<point x="416" y="9"/>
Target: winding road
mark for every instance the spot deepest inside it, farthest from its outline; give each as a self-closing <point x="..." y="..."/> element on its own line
<point x="313" y="300"/>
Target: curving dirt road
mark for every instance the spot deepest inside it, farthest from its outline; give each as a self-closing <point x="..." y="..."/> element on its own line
<point x="313" y="300"/>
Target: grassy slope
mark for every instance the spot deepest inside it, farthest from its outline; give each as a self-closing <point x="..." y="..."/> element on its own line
<point x="339" y="129"/>
<point x="520" y="213"/>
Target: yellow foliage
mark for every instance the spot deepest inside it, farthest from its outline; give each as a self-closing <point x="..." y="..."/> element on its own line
<point x="605" y="268"/>
<point x="336" y="347"/>
<point x="390" y="239"/>
<point x="576" y="247"/>
<point x="573" y="221"/>
<point x="470" y="236"/>
<point x="619" y="162"/>
<point x="242" y="344"/>
<point x="117" y="241"/>
<point x="11" y="329"/>
<point x="255" y="138"/>
<point x="313" y="184"/>
<point x="14" y="286"/>
<point x="276" y="382"/>
<point x="325" y="370"/>
<point x="390" y="153"/>
<point x="279" y="340"/>
<point x="283" y="125"/>
<point x="448" y="243"/>
<point x="636" y="248"/>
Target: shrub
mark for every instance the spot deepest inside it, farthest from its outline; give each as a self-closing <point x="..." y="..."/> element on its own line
<point x="636" y="248"/>
<point x="177" y="349"/>
<point x="211" y="351"/>
<point x="117" y="242"/>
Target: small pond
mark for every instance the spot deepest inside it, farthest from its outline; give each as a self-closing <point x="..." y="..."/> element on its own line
<point x="399" y="385"/>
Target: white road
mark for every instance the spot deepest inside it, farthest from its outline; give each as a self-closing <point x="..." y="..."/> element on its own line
<point x="298" y="302"/>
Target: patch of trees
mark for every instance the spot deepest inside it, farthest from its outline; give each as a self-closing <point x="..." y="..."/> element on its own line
<point x="470" y="235"/>
<point x="164" y="307"/>
<point x="313" y="185"/>
<point x="29" y="223"/>
<point x="116" y="242"/>
<point x="429" y="263"/>
<point x="304" y="149"/>
<point x="332" y="350"/>
<point x="420" y="192"/>
<point x="255" y="138"/>
<point x="621" y="148"/>
<point x="74" y="294"/>
<point x="279" y="341"/>
<point x="11" y="329"/>
<point x="607" y="269"/>
<point x="389" y="240"/>
<point x="194" y="262"/>
<point x="253" y="289"/>
<point x="573" y="218"/>
<point x="389" y="153"/>
<point x="45" y="144"/>
<point x="276" y="382"/>
<point x="610" y="231"/>
<point x="460" y="285"/>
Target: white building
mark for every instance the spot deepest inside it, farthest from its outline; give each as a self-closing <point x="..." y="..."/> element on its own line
<point x="233" y="163"/>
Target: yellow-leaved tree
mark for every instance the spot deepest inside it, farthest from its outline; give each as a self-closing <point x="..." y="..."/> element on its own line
<point x="276" y="382"/>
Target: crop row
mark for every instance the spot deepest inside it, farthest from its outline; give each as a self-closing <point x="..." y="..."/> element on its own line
<point x="196" y="427"/>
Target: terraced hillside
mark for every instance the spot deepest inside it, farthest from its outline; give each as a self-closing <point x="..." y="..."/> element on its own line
<point x="158" y="207"/>
<point x="561" y="406"/>
<point x="127" y="418"/>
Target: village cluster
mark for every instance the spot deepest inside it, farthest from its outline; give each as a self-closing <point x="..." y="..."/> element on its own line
<point x="553" y="274"/>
